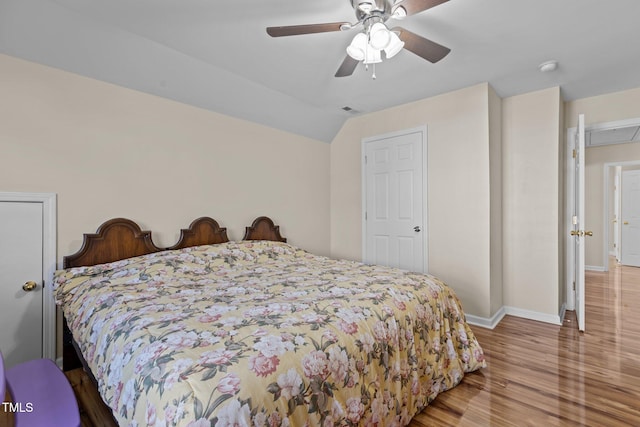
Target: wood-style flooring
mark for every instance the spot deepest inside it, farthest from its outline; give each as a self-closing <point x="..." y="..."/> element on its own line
<point x="538" y="374"/>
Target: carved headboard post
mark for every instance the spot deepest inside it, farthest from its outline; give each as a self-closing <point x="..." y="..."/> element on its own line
<point x="202" y="231"/>
<point x="263" y="228"/>
<point x="116" y="239"/>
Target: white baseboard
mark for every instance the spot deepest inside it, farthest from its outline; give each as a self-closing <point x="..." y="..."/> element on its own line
<point x="533" y="315"/>
<point x="493" y="321"/>
<point x="563" y="310"/>
<point x="484" y="322"/>
<point x="594" y="268"/>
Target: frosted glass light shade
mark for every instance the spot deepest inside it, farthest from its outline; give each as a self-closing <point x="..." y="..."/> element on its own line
<point x="395" y="46"/>
<point x="358" y="46"/>
<point x="379" y="36"/>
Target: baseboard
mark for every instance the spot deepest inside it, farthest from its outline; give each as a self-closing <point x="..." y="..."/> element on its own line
<point x="488" y="323"/>
<point x="563" y="310"/>
<point x="533" y="315"/>
<point x="492" y="322"/>
<point x="594" y="268"/>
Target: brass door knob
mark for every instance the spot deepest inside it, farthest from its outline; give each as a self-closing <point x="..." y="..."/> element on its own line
<point x="626" y="223"/>
<point x="575" y="233"/>
<point x="29" y="286"/>
<point x="588" y="233"/>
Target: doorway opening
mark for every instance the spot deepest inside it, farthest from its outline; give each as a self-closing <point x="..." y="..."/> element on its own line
<point x="616" y="222"/>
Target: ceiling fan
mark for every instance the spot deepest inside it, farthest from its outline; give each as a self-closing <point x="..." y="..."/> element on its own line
<point x="375" y="38"/>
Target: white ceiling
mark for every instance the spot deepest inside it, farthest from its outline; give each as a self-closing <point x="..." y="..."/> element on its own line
<point x="216" y="54"/>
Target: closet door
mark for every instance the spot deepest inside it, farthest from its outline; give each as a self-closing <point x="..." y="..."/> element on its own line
<point x="21" y="281"/>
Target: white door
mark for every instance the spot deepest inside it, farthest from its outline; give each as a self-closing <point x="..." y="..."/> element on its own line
<point x="630" y="243"/>
<point x="21" y="310"/>
<point x="394" y="181"/>
<point x="578" y="232"/>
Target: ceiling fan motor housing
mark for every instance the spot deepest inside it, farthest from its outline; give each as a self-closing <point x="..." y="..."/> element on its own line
<point x="365" y="8"/>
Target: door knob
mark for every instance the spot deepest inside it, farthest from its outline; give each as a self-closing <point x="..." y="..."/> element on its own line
<point x="575" y="233"/>
<point x="588" y="233"/>
<point x="626" y="223"/>
<point x="29" y="286"/>
<point x="416" y="228"/>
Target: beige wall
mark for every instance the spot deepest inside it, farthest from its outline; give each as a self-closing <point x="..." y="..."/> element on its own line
<point x="458" y="195"/>
<point x="108" y="151"/>
<point x="531" y="201"/>
<point x="610" y="107"/>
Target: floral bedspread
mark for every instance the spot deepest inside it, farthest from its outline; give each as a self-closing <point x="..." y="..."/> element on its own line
<point x="265" y="334"/>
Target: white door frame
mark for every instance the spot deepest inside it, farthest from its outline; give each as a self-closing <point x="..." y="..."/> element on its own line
<point x="423" y="131"/>
<point x="575" y="154"/>
<point x="617" y="200"/>
<point x="49" y="260"/>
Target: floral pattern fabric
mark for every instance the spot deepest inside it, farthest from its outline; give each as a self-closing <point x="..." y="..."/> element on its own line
<point x="264" y="334"/>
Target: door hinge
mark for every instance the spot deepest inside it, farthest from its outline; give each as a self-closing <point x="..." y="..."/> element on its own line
<point x="574" y="285"/>
<point x="365" y="216"/>
<point x="575" y="153"/>
<point x="365" y="160"/>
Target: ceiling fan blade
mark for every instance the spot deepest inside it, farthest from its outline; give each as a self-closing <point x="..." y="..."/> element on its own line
<point x="416" y="6"/>
<point x="425" y="48"/>
<point x="347" y="67"/>
<point x="295" y="30"/>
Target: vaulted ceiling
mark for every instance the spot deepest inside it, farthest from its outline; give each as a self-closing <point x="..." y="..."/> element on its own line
<point x="217" y="55"/>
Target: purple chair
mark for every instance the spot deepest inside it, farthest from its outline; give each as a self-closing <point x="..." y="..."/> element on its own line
<point x="41" y="395"/>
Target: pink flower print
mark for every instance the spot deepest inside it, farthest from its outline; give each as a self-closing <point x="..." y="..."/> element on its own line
<point x="380" y="332"/>
<point x="315" y="364"/>
<point x="348" y="328"/>
<point x="262" y="365"/>
<point x="290" y="384"/>
<point x="355" y="409"/>
<point x="229" y="384"/>
<point x="216" y="357"/>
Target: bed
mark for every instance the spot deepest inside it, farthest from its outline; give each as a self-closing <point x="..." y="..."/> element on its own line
<point x="256" y="332"/>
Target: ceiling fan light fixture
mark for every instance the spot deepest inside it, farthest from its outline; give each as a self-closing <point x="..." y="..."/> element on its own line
<point x="379" y="36"/>
<point x="358" y="47"/>
<point x="395" y="46"/>
<point x="372" y="56"/>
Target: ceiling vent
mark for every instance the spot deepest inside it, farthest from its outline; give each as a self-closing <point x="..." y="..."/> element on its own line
<point x="349" y="110"/>
<point x="620" y="135"/>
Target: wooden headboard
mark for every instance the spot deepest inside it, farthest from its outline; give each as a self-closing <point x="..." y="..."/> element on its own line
<point x="263" y="228"/>
<point x="121" y="238"/>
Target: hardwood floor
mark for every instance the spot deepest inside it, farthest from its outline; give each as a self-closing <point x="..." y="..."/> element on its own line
<point x="538" y="374"/>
